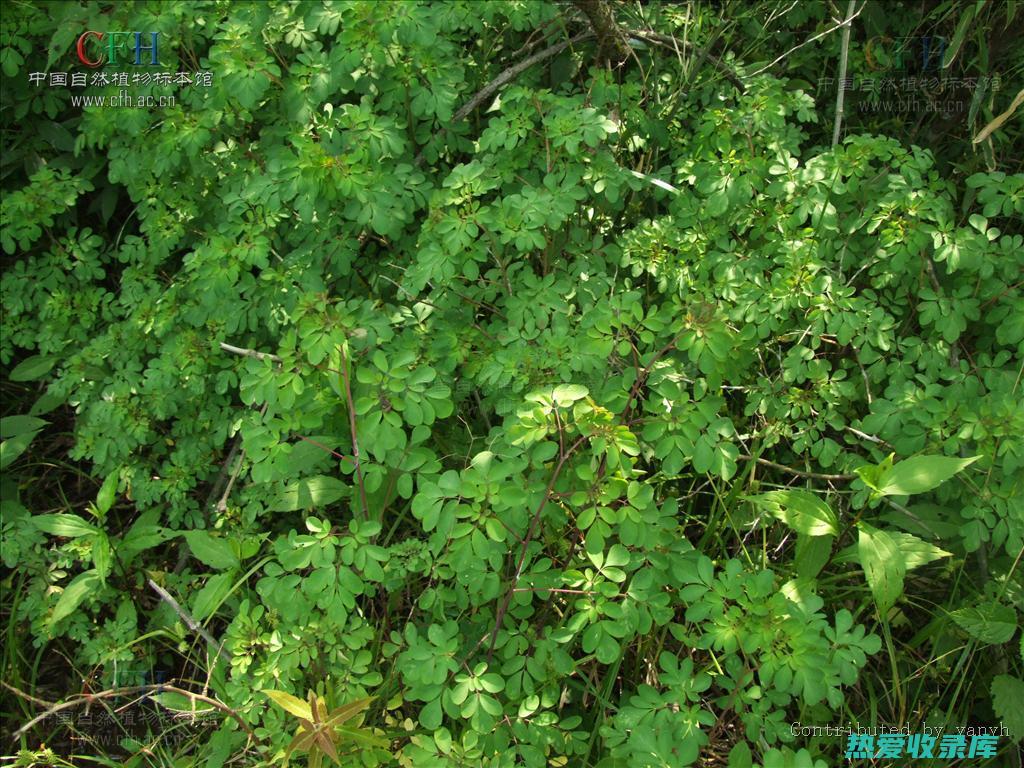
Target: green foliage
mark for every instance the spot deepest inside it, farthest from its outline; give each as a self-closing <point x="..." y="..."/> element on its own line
<point x="575" y="431"/>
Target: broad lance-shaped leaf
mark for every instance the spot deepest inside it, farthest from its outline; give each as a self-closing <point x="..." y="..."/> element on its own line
<point x="309" y="493"/>
<point x="916" y="552"/>
<point x="13" y="448"/>
<point x="107" y="493"/>
<point x="215" y="591"/>
<point x="345" y="712"/>
<point x="883" y="566"/>
<point x="210" y="550"/>
<point x="919" y="474"/>
<point x="289" y="703"/>
<point x="68" y="526"/>
<point x="12" y="426"/>
<point x="812" y="553"/>
<point x="74" y="593"/>
<point x="802" y="511"/>
<point x="32" y="368"/>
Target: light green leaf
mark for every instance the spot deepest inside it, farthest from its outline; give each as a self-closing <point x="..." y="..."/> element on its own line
<point x="959" y="35"/>
<point x="812" y="553"/>
<point x="430" y="715"/>
<point x="920" y="474"/>
<point x="361" y="736"/>
<point x="309" y="493"/>
<point x="212" y="594"/>
<point x="107" y="493"/>
<point x="68" y="526"/>
<point x="565" y="395"/>
<point x="178" y="702"/>
<point x="802" y="511"/>
<point x="916" y="552"/>
<point x="883" y="566"/>
<point x="989" y="622"/>
<point x="144" y="534"/>
<point x="211" y="550"/>
<point x="74" y="593"/>
<point x="740" y="756"/>
<point x="290" y="703"/>
<point x="101" y="556"/>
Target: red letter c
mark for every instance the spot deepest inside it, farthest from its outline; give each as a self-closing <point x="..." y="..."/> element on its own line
<point x="81" y="49"/>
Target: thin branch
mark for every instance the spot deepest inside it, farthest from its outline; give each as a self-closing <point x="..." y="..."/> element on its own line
<point x="249" y="352"/>
<point x="26" y="696"/>
<point x="192" y="624"/>
<point x="671" y="42"/>
<point x="810" y="40"/>
<point x="352" y="429"/>
<point x="843" y="56"/>
<point x="531" y="532"/>
<point x="869" y="438"/>
<point x="131" y="691"/>
<point x="514" y="71"/>
<point x="797" y="472"/>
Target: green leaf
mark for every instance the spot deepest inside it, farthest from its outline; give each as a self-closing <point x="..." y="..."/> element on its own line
<point x="45" y="404"/>
<point x="920" y="474"/>
<point x="290" y="703"/>
<point x="883" y="566"/>
<point x="1007" y="695"/>
<point x="12" y="426"/>
<point x="565" y="395"/>
<point x="101" y="556"/>
<point x="916" y="552"/>
<point x="812" y="553"/>
<point x="802" y="511"/>
<point x="959" y="35"/>
<point x="989" y="622"/>
<point x="361" y="736"/>
<point x="107" y="493"/>
<point x="177" y="702"/>
<point x="68" y="526"/>
<point x="430" y="715"/>
<point x="213" y="593"/>
<point x="32" y="368"/>
<point x="740" y="756"/>
<point x="210" y="550"/>
<point x="13" y="448"/>
<point x="74" y="593"/>
<point x="309" y="493"/>
<point x="144" y="534"/>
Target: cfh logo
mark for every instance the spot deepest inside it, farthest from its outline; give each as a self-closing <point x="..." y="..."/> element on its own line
<point x="884" y="53"/>
<point x="98" y="48"/>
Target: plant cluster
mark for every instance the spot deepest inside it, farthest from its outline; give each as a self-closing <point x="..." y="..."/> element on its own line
<point x="619" y="421"/>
